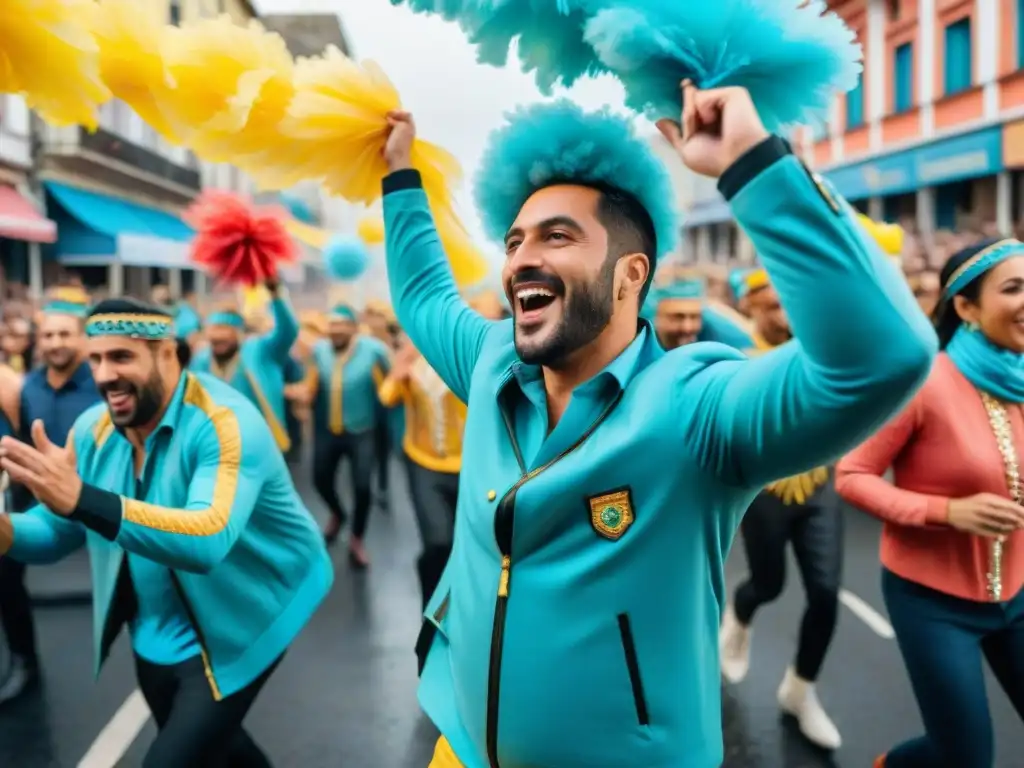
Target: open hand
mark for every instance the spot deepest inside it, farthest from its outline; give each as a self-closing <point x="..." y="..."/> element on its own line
<point x="717" y="128"/>
<point x="398" y="150"/>
<point x="985" y="514"/>
<point x="46" y="469"/>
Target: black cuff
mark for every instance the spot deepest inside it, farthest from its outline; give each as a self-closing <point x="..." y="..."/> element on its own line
<point x="99" y="511"/>
<point x="757" y="159"/>
<point x="409" y="178"/>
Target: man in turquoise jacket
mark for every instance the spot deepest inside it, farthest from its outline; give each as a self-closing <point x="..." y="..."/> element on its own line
<point x="198" y="539"/>
<point x="255" y="366"/>
<point x="346" y="415"/>
<point x="603" y="479"/>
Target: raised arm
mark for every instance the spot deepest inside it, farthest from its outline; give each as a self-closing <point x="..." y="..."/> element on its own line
<point x="222" y="492"/>
<point x="279" y="341"/>
<point x="430" y="310"/>
<point x="862" y="344"/>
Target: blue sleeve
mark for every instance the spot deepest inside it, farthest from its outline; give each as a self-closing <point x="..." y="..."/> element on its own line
<point x="40" y="537"/>
<point x="277" y="344"/>
<point x="227" y="479"/>
<point x="863" y="346"/>
<point x="726" y="326"/>
<point x="430" y="310"/>
<point x="293" y="372"/>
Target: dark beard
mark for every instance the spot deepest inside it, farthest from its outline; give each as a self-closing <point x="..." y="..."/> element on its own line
<point x="587" y="312"/>
<point x="149" y="399"/>
<point x="226" y="358"/>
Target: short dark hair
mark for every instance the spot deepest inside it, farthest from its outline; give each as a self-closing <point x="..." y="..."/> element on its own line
<point x="945" y="315"/>
<point x="630" y="229"/>
<point x="126" y="306"/>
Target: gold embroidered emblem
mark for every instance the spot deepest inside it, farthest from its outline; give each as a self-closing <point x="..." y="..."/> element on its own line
<point x="611" y="514"/>
<point x="825" y="190"/>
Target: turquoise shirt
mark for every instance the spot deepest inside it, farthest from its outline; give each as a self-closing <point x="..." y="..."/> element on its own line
<point x="347" y="385"/>
<point x="577" y="620"/>
<point x="220" y="516"/>
<point x="260" y="370"/>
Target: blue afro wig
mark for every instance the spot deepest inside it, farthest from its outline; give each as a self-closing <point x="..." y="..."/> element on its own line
<point x="558" y="143"/>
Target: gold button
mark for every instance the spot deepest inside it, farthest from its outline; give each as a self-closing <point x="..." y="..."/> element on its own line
<point x="491" y="495"/>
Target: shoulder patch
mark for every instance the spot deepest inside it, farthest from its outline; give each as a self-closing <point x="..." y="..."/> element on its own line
<point x="611" y="513"/>
<point x="825" y="190"/>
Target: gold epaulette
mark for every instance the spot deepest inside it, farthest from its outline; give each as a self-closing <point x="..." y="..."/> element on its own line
<point x="799" y="488"/>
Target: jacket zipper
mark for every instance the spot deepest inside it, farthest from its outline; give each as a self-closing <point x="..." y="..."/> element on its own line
<point x="199" y="636"/>
<point x="503" y="526"/>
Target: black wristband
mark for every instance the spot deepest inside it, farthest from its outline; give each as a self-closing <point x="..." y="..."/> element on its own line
<point x="99" y="511"/>
<point x="407" y="178"/>
<point x="750" y="165"/>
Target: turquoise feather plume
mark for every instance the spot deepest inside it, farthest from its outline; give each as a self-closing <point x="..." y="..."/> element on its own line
<point x="548" y="33"/>
<point x="557" y="142"/>
<point x="792" y="59"/>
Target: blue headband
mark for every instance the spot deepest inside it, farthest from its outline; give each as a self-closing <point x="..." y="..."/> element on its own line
<point x="147" y="327"/>
<point x="230" y="319"/>
<point x="343" y="312"/>
<point x="682" y="289"/>
<point x="59" y="307"/>
<point x="980" y="263"/>
<point x="738" y="282"/>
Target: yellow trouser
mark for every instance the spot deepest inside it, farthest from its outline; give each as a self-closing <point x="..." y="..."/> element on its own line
<point x="444" y="757"/>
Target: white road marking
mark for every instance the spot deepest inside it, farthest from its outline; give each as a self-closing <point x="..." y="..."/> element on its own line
<point x="876" y="621"/>
<point x="118" y="735"/>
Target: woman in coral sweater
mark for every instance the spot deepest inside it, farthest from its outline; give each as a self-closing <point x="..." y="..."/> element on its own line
<point x="952" y="549"/>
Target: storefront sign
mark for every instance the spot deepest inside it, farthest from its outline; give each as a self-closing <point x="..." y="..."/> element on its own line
<point x="967" y="156"/>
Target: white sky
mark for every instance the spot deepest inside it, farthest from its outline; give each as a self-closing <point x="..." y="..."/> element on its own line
<point x="456" y="101"/>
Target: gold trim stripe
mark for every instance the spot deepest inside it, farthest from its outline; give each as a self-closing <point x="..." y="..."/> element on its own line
<point x="116" y="317"/>
<point x="214" y="518"/>
<point x="102" y="429"/>
<point x="976" y="258"/>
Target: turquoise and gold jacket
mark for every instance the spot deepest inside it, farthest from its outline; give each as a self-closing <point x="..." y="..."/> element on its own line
<point x="220" y="511"/>
<point x="576" y="624"/>
<point x="347" y="382"/>
<point x="259" y="370"/>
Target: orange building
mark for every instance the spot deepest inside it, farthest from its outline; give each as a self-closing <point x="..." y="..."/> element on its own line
<point x="934" y="131"/>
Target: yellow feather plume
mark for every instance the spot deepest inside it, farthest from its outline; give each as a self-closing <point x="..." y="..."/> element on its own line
<point x="336" y="130"/>
<point x="49" y="55"/>
<point x="232" y="86"/>
<point x="131" y="36"/>
<point x="371" y="230"/>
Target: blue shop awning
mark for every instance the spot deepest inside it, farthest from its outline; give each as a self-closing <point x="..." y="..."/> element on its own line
<point x="94" y="228"/>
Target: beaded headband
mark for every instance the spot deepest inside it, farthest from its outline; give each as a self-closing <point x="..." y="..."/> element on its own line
<point x="145" y="327"/>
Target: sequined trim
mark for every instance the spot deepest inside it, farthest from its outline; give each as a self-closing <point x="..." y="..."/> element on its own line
<point x="999" y="420"/>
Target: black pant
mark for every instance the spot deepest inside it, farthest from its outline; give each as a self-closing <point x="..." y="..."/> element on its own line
<point x="816" y="531"/>
<point x="360" y="450"/>
<point x="943" y="640"/>
<point x="435" y="496"/>
<point x="383" y="450"/>
<point x="16" y="611"/>
<point x="193" y="728"/>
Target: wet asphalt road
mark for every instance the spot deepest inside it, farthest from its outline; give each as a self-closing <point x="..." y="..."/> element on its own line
<point x="345" y="694"/>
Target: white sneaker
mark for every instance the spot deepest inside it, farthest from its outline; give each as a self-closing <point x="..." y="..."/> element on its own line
<point x="797" y="698"/>
<point x="733" y="647"/>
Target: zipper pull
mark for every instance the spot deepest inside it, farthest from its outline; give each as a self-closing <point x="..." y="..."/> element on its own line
<point x="506" y="572"/>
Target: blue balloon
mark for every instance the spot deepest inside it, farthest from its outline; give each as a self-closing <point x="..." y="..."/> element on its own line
<point x="346" y="257"/>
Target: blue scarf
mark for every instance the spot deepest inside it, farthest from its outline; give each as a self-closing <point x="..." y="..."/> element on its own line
<point x="991" y="369"/>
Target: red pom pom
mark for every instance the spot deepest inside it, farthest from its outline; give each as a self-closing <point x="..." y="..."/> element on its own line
<point x="237" y="243"/>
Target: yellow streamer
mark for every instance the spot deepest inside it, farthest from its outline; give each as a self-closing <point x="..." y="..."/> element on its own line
<point x="131" y="36"/>
<point x="49" y="55"/>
